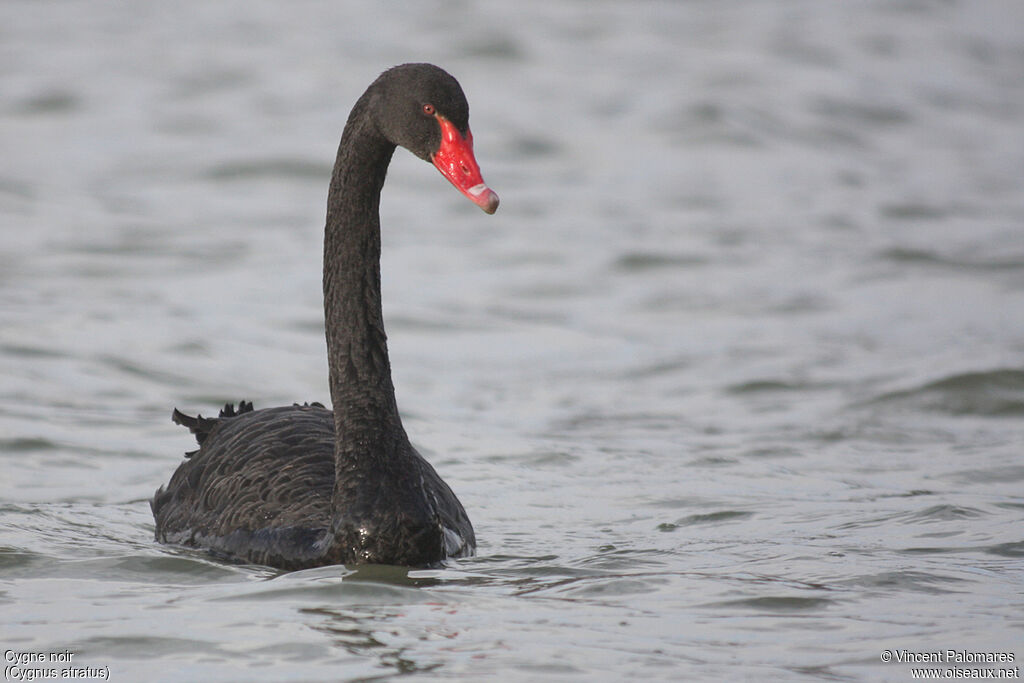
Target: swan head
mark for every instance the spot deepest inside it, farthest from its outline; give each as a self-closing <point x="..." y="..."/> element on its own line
<point x="422" y="107"/>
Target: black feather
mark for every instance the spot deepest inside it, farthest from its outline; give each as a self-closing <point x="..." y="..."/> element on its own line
<point x="302" y="486"/>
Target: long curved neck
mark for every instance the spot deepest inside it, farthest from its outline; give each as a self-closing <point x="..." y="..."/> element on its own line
<point x="366" y="418"/>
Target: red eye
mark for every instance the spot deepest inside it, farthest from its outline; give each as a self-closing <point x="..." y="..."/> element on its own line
<point x="428" y="109"/>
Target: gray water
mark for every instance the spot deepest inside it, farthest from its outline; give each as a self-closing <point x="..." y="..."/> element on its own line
<point x="731" y="386"/>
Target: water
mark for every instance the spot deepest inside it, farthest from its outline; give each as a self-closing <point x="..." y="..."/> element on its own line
<point x="732" y="385"/>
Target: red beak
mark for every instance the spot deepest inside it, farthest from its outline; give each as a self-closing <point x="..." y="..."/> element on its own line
<point x="455" y="160"/>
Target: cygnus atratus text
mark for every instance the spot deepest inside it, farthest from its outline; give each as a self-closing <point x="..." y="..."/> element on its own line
<point x="304" y="486"/>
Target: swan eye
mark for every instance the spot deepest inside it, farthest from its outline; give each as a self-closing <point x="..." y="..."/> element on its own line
<point x="428" y="109"/>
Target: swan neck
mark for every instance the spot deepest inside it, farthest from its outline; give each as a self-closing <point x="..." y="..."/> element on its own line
<point x="362" y="391"/>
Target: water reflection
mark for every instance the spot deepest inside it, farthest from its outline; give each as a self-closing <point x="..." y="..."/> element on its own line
<point x="370" y="634"/>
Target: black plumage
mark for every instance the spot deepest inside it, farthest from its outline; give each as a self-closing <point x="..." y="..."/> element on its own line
<point x="303" y="486"/>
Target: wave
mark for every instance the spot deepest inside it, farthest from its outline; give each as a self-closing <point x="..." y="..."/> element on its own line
<point x="991" y="393"/>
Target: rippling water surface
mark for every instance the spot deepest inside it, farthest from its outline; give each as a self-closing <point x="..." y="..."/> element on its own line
<point x="732" y="386"/>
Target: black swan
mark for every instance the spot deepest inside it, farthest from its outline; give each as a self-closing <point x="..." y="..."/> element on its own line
<point x="304" y="486"/>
